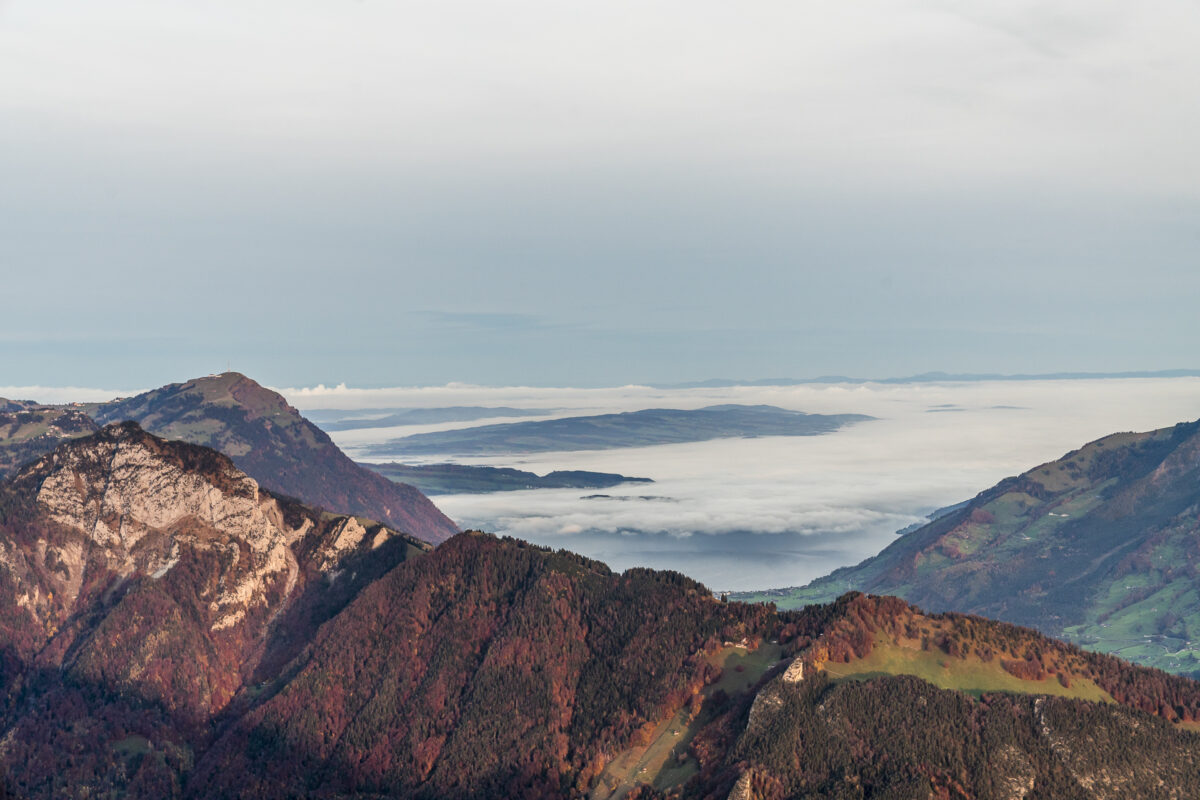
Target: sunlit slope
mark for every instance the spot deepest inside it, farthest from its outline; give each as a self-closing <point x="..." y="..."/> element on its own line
<point x="1099" y="547"/>
<point x="896" y="703"/>
<point x="277" y="446"/>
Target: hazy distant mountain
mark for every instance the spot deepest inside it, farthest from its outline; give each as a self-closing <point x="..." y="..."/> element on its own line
<point x="932" y="377"/>
<point x="434" y="479"/>
<point x="631" y="429"/>
<point x="1099" y="547"/>
<point x="332" y="419"/>
<point x="275" y="445"/>
<point x="27" y="430"/>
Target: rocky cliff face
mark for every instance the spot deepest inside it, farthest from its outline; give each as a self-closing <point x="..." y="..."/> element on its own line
<point x="123" y="503"/>
<point x="138" y="510"/>
<point x="137" y="571"/>
<point x="279" y="448"/>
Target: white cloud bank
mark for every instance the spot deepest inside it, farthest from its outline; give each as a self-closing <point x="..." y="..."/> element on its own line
<point x="822" y="501"/>
<point x="63" y="394"/>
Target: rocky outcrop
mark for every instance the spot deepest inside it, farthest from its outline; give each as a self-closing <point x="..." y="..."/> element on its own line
<point x="283" y="451"/>
<point x="120" y="509"/>
<point x="129" y="504"/>
<point x="741" y="789"/>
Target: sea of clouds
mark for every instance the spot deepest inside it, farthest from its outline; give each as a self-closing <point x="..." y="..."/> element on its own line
<point x="777" y="511"/>
<point x="764" y="512"/>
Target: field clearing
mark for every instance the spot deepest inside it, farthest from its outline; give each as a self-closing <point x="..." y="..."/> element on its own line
<point x="646" y="764"/>
<point x="657" y="762"/>
<point x="741" y="667"/>
<point x="971" y="675"/>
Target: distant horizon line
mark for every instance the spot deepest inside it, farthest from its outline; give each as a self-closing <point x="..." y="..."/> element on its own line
<point x="934" y="377"/>
<point x="92" y="394"/>
<point x="726" y="383"/>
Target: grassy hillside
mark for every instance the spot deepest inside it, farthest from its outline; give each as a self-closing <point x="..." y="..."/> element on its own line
<point x="970" y="674"/>
<point x="1098" y="547"/>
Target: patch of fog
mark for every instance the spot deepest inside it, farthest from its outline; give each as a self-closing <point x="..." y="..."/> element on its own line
<point x="776" y="511"/>
<point x="64" y="394"/>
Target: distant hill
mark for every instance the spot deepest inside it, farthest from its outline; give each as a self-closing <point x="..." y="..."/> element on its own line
<point x="28" y="430"/>
<point x="631" y="429"/>
<point x="896" y="704"/>
<point x="935" y="377"/>
<point x="1099" y="547"/>
<point x="274" y="444"/>
<point x="331" y="419"/>
<point x="435" y="479"/>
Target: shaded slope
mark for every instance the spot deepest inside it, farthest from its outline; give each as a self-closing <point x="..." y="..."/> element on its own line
<point x="1100" y="546"/>
<point x="508" y="671"/>
<point x="274" y="444"/>
<point x="901" y="738"/>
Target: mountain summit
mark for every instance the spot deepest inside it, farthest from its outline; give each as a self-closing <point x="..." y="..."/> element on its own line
<point x="273" y="443"/>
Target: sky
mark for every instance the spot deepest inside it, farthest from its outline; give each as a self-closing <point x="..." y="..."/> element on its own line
<point x="586" y="194"/>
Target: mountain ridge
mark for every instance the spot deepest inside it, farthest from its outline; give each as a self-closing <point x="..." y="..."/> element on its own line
<point x="171" y="629"/>
<point x="647" y="427"/>
<point x="269" y="439"/>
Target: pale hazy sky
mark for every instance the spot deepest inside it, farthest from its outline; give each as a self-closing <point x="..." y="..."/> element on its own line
<point x="398" y="193"/>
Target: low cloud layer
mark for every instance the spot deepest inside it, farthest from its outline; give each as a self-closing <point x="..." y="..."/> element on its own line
<point x="755" y="513"/>
<point x="62" y="394"/>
